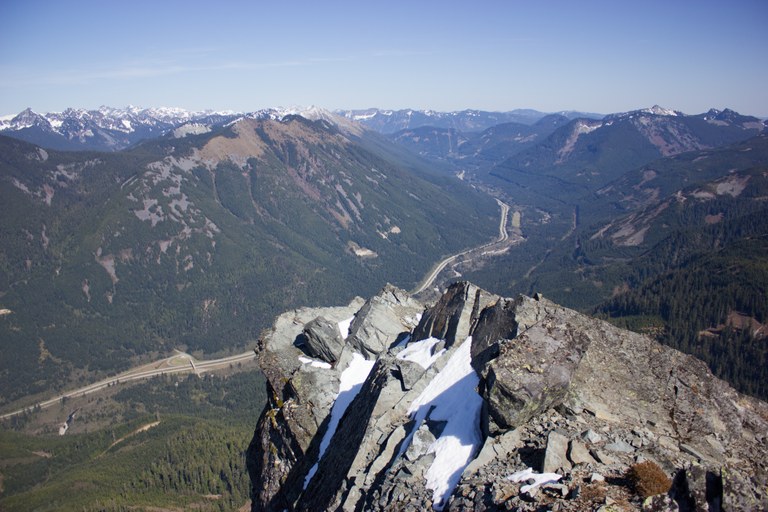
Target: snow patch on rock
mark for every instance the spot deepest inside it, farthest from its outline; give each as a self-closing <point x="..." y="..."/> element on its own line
<point x="451" y="397"/>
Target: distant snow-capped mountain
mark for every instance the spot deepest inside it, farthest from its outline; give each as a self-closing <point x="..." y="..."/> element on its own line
<point x="104" y="129"/>
<point x="712" y="116"/>
<point x="113" y="129"/>
<point x="125" y="120"/>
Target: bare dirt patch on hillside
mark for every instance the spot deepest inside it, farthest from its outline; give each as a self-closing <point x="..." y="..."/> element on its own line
<point x="238" y="150"/>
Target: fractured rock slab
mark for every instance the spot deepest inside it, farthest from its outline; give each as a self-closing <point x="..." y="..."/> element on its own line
<point x="555" y="457"/>
<point x="578" y="453"/>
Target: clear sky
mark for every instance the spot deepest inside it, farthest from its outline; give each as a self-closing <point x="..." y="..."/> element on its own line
<point x="597" y="56"/>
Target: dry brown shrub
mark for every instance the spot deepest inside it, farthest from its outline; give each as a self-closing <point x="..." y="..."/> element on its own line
<point x="593" y="493"/>
<point x="649" y="479"/>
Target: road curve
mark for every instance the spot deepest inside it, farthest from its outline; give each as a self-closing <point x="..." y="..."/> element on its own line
<point x="164" y="366"/>
<point x="503" y="236"/>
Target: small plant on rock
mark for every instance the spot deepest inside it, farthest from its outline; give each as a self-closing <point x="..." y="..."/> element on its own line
<point x="649" y="479"/>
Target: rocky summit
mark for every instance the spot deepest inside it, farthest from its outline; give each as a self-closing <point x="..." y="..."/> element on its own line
<point x="489" y="403"/>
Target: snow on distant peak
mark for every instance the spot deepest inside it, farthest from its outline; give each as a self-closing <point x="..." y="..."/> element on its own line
<point x="654" y="111"/>
<point x="659" y="111"/>
<point x="190" y="129"/>
<point x="280" y="113"/>
<point x="172" y="111"/>
<point x="587" y="126"/>
<point x="314" y="113"/>
<point x="5" y="121"/>
<point x="363" y="117"/>
<point x="311" y="113"/>
<point x="238" y="119"/>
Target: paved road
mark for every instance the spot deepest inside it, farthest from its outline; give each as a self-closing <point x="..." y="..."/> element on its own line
<point x="179" y="362"/>
<point x="503" y="236"/>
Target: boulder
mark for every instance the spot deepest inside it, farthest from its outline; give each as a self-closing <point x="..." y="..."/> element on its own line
<point x="409" y="372"/>
<point x="591" y="436"/>
<point x="495" y="324"/>
<point x="382" y="321"/>
<point x="619" y="446"/>
<point x="534" y="368"/>
<point x="695" y="488"/>
<point x="422" y="440"/>
<point x="322" y="339"/>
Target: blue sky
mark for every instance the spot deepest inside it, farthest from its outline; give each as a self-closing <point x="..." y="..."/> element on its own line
<point x="597" y="56"/>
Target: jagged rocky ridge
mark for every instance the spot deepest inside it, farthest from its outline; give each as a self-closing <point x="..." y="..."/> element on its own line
<point x="554" y="390"/>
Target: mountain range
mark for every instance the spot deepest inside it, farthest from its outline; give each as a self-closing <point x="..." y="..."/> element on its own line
<point x="196" y="242"/>
<point x="114" y="129"/>
<point x="130" y="235"/>
<point x="586" y="154"/>
<point x="473" y="150"/>
<point x="199" y="214"/>
<point x="392" y="121"/>
<point x="105" y="129"/>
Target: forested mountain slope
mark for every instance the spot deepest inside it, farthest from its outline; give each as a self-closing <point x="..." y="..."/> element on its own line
<point x="676" y="248"/>
<point x="196" y="242"/>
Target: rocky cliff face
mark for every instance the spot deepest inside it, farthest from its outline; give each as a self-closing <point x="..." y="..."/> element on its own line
<point x="386" y="405"/>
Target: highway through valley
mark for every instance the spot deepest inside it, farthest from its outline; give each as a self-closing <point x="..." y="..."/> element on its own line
<point x="179" y="362"/>
<point x="503" y="237"/>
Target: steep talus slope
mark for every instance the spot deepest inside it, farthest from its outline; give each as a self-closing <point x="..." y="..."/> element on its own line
<point x="196" y="243"/>
<point x="483" y="388"/>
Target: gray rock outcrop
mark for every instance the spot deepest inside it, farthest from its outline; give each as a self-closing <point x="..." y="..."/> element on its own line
<point x="455" y="314"/>
<point x="562" y="393"/>
<point x="383" y="320"/>
<point x="536" y="356"/>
